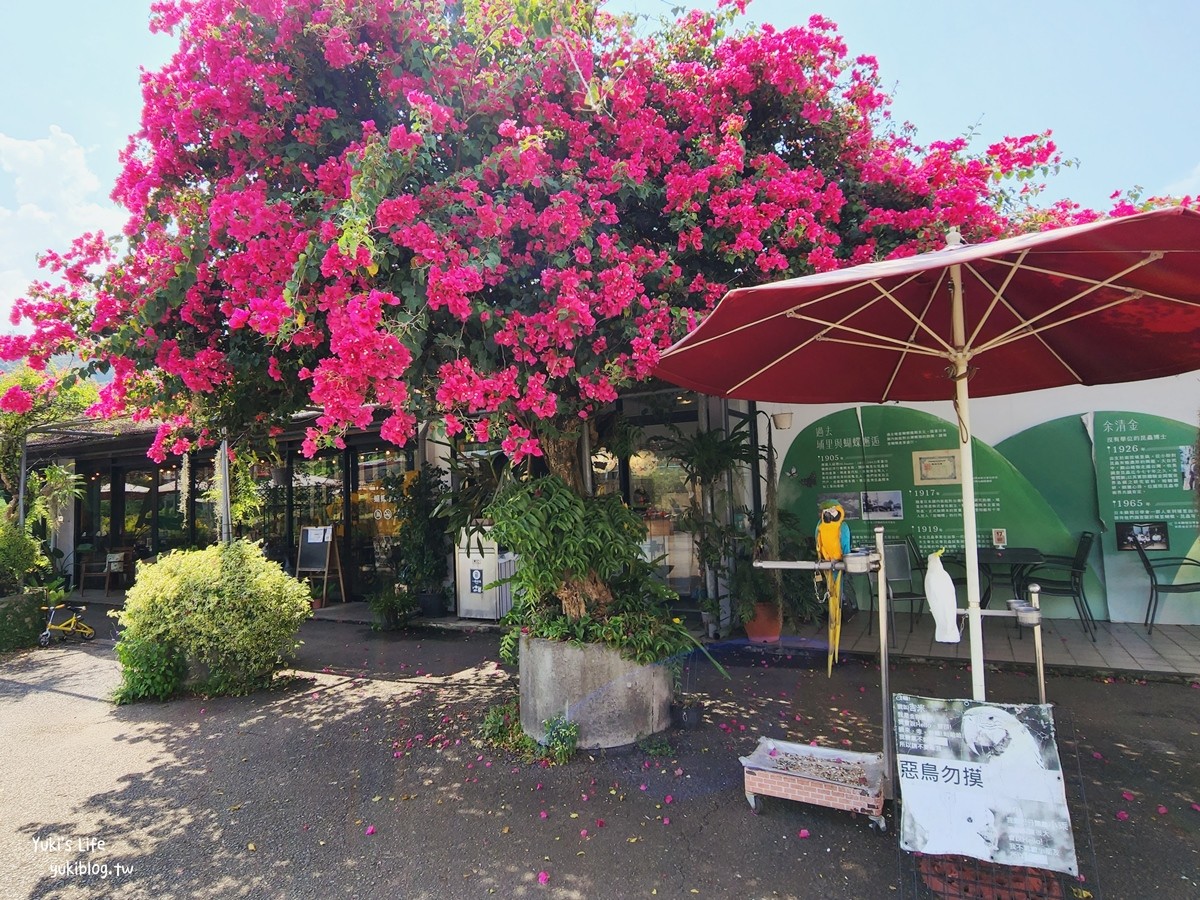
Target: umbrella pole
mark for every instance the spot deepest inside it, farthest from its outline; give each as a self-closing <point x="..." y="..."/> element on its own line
<point x="889" y="735"/>
<point x="970" y="538"/>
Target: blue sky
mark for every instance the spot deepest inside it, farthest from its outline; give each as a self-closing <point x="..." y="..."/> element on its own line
<point x="1116" y="82"/>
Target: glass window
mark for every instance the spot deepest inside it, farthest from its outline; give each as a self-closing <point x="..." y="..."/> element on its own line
<point x="204" y="501"/>
<point x="172" y="530"/>
<point x="373" y="521"/>
<point x="138" y="530"/>
<point x="658" y="489"/>
<point x="95" y="512"/>
<point x="317" y="492"/>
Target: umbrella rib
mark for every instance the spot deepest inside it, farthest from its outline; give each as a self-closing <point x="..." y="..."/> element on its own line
<point x="888" y="343"/>
<point x="1030" y="327"/>
<point x="997" y="295"/>
<point x="682" y="348"/>
<point x="884" y="343"/>
<point x="912" y="335"/>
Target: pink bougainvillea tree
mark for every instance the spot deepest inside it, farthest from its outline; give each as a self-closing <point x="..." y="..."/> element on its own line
<point x="498" y="214"/>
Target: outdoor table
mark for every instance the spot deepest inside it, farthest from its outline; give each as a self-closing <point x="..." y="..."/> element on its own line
<point x="1015" y="560"/>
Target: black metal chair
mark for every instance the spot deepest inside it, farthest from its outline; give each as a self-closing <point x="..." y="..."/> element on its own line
<point x="1158" y="586"/>
<point x="920" y="564"/>
<point x="1062" y="576"/>
<point x="900" y="568"/>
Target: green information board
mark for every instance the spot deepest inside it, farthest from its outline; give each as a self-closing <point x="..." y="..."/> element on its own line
<point x="900" y="468"/>
<point x="1146" y="482"/>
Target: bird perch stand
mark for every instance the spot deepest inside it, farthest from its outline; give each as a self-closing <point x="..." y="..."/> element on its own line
<point x="856" y="564"/>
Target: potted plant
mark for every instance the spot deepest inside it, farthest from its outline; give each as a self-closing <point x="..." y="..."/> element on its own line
<point x="710" y="613"/>
<point x="763" y="598"/>
<point x="687" y="711"/>
<point x="393" y="607"/>
<point x="474" y="480"/>
<point x="420" y="545"/>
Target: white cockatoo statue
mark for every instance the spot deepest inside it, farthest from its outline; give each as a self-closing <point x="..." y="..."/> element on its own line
<point x="943" y="602"/>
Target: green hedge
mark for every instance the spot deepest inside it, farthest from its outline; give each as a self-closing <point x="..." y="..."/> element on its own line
<point x="21" y="621"/>
<point x="225" y="613"/>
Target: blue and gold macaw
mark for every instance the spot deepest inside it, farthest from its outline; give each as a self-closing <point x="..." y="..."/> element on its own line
<point x="833" y="542"/>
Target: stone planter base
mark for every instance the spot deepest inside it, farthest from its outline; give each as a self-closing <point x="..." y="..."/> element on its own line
<point x="614" y="701"/>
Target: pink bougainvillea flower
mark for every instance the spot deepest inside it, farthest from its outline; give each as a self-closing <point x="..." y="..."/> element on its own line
<point x="666" y="820"/>
<point x="370" y="830"/>
<point x="543" y="814"/>
<point x="543" y="877"/>
<point x="1162" y="810"/>
<point x="16" y="400"/>
<point x="802" y="834"/>
<point x="1127" y="796"/>
<point x="1122" y="815"/>
<point x="668" y="799"/>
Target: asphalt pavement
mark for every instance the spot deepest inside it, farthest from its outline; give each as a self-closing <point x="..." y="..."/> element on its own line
<point x="360" y="777"/>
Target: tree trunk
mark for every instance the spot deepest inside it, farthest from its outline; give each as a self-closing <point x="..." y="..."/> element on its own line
<point x="587" y="595"/>
<point x="562" y="457"/>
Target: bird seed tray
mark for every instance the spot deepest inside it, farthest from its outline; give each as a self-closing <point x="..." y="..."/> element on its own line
<point x="823" y="776"/>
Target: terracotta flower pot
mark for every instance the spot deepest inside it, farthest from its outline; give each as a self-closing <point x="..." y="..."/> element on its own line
<point x="767" y="624"/>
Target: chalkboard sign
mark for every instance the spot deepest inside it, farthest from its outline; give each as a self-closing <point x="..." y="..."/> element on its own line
<point x="319" y="553"/>
<point x="314" y="549"/>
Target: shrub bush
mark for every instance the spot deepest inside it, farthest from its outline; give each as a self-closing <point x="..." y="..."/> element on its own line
<point x="21" y="621"/>
<point x="20" y="556"/>
<point x="226" y="610"/>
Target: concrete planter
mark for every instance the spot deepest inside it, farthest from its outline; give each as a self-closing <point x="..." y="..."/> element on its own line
<point x="614" y="701"/>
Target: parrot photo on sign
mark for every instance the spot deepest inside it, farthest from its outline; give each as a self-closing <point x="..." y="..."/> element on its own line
<point x="833" y="543"/>
<point x="943" y="601"/>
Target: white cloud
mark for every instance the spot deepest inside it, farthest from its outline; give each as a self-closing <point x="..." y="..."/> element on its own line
<point x="1189" y="185"/>
<point x="55" y="197"/>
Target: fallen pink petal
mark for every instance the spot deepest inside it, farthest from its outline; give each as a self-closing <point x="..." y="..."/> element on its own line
<point x="543" y="877"/>
<point x="370" y="829"/>
<point x="803" y="833"/>
<point x="1122" y="815"/>
<point x="1162" y="810"/>
<point x="1127" y="796"/>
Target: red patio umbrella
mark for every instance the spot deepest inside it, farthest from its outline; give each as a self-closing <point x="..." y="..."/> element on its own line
<point x="1111" y="301"/>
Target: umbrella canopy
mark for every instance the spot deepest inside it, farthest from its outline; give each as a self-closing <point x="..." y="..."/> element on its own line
<point x="1110" y="301"/>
